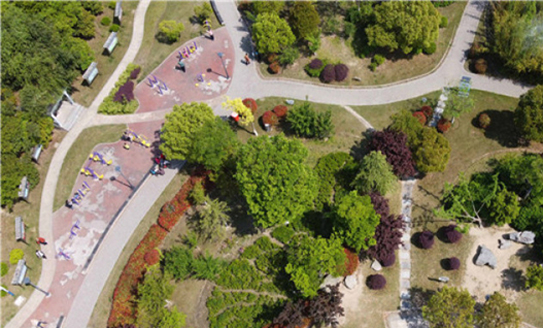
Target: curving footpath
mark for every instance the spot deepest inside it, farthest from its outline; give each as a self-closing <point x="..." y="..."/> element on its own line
<point x="245" y="81"/>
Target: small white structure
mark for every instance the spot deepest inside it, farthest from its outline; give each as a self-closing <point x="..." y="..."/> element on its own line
<point x="24" y="188"/>
<point x="20" y="233"/>
<point x="118" y="13"/>
<point x="20" y="273"/>
<point x="111" y="43"/>
<point x="90" y="73"/>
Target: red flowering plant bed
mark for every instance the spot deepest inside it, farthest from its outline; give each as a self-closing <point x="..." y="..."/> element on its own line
<point x="280" y="111"/>
<point x="421" y="117"/>
<point x="351" y="262"/>
<point x="123" y="308"/>
<point x="427" y="111"/>
<point x="251" y="104"/>
<point x="443" y="125"/>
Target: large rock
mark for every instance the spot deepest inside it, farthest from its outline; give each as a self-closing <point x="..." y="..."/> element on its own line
<point x="524" y="237"/>
<point x="485" y="257"/>
<point x="351" y="281"/>
<point x="330" y="281"/>
<point x="376" y="266"/>
<point x="504" y="244"/>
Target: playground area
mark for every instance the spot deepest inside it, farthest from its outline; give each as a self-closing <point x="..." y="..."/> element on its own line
<point x="196" y="71"/>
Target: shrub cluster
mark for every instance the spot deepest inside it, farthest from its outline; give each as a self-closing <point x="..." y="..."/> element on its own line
<point x="420" y="116"/>
<point x="484" y="120"/>
<point x="327" y="168"/>
<point x="453" y="235"/>
<point x="341" y="71"/>
<point x="270" y="118"/>
<point x="443" y="125"/>
<point x="328" y="74"/>
<point x="251" y="104"/>
<point x="306" y="122"/>
<point x="376" y="282"/>
<point x="281" y="111"/>
<point x="112" y="104"/>
<point x="426" y="239"/>
<point x="315" y="67"/>
<point x="123" y="308"/>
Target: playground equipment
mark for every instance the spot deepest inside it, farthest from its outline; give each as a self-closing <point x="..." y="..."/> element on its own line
<point x="62" y="254"/>
<point x="97" y="157"/>
<point x="188" y="50"/>
<point x="132" y="136"/>
<point x="90" y="172"/>
<point x="72" y="231"/>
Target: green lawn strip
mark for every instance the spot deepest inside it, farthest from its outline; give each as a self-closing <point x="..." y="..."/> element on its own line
<point x="153" y="53"/>
<point x="84" y="94"/>
<point x="78" y="154"/>
<point x="348" y="130"/>
<point x="337" y="49"/>
<point x="102" y="308"/>
<point x="30" y="212"/>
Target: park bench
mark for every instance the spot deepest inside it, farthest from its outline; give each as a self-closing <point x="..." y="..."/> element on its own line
<point x="20" y="273"/>
<point x="20" y="234"/>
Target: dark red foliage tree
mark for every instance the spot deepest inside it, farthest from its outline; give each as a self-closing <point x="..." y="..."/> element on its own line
<point x="427" y="111"/>
<point x="380" y="204"/>
<point x="394" y="146"/>
<point x="341" y="72"/>
<point x="443" y="125"/>
<point x="125" y="92"/>
<point x="315" y="64"/>
<point x="388" y="260"/>
<point x="376" y="282"/>
<point x="328" y="74"/>
<point x="421" y="117"/>
<point x="280" y="111"/>
<point x="251" y="104"/>
<point x="453" y="236"/>
<point x="388" y="235"/>
<point x="270" y="118"/>
<point x="134" y="74"/>
<point x="453" y="263"/>
<point x="293" y="315"/>
<point x="426" y="239"/>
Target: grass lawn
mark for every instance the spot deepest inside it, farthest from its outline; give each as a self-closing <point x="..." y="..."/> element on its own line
<point x="348" y="130"/>
<point x="84" y="94"/>
<point x="103" y="305"/>
<point x="153" y="53"/>
<point x="30" y="212"/>
<point x="78" y="153"/>
<point x="337" y="49"/>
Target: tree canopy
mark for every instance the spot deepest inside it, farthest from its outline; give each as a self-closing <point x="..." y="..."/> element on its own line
<point x="355" y="220"/>
<point x="310" y="259"/>
<point x="497" y="313"/>
<point x="375" y="174"/>
<point x="170" y="30"/>
<point x="304" y="19"/>
<point x="211" y="220"/>
<point x="306" y="122"/>
<point x="433" y="151"/>
<point x="450" y="308"/>
<point x="274" y="179"/>
<point x="261" y="7"/>
<point x="393" y="144"/>
<point x="181" y="126"/>
<point x="529" y="114"/>
<point x="410" y="26"/>
<point x="271" y="33"/>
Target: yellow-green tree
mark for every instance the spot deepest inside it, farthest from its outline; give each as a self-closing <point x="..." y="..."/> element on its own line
<point x="245" y="114"/>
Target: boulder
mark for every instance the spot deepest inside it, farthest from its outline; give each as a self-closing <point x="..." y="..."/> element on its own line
<point x="330" y="281"/>
<point x="504" y="244"/>
<point x="524" y="237"/>
<point x="485" y="257"/>
<point x="351" y="281"/>
<point x="376" y="266"/>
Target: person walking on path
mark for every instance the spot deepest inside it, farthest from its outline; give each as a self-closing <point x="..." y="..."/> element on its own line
<point x="41" y="241"/>
<point x="69" y="204"/>
<point x="247" y="60"/>
<point x="40" y="255"/>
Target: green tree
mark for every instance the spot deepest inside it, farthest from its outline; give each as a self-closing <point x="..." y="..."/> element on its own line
<point x="152" y="293"/>
<point x="405" y="122"/>
<point x="529" y="114"/>
<point x="375" y="174"/>
<point x="84" y="26"/>
<point x="306" y="122"/>
<point x="304" y="19"/>
<point x="211" y="220"/>
<point x="534" y="277"/>
<point x="355" y="220"/>
<point x="213" y="144"/>
<point x="458" y="104"/>
<point x="170" y="30"/>
<point x="406" y="25"/>
<point x="274" y="179"/>
<point x="271" y="33"/>
<point x="497" y="313"/>
<point x="180" y="127"/>
<point x="309" y="259"/>
<point x="504" y="207"/>
<point x="261" y="7"/>
<point x="178" y="262"/>
<point x="450" y="308"/>
<point x="433" y="152"/>
<point x="207" y="267"/>
<point x="203" y="12"/>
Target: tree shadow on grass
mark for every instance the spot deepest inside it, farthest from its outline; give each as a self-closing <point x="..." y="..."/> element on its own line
<point x="502" y="128"/>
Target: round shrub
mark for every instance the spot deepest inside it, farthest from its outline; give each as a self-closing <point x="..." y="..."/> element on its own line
<point x="3" y="269"/>
<point x="280" y="111"/>
<point x="453" y="263"/>
<point x="480" y="66"/>
<point x="283" y="234"/>
<point x="421" y="117"/>
<point x="274" y="68"/>
<point x="426" y="239"/>
<point x="152" y="257"/>
<point x="388" y="260"/>
<point x="328" y="74"/>
<point x="251" y="104"/>
<point x="378" y="59"/>
<point x="271" y="58"/>
<point x="314" y="68"/>
<point x="111" y="5"/>
<point x="443" y="125"/>
<point x="341" y="72"/>
<point x="484" y="120"/>
<point x="444" y="22"/>
<point x="430" y="49"/>
<point x="15" y="255"/>
<point x="351" y="262"/>
<point x="105" y="21"/>
<point x="453" y="235"/>
<point x="376" y="282"/>
<point x="270" y="118"/>
<point x="428" y="111"/>
<point x="114" y="28"/>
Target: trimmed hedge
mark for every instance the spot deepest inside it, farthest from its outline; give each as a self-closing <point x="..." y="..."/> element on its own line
<point x="328" y="74"/>
<point x="15" y="255"/>
<point x="152" y="257"/>
<point x="426" y="239"/>
<point x="341" y="72"/>
<point x="376" y="282"/>
<point x="112" y="107"/>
